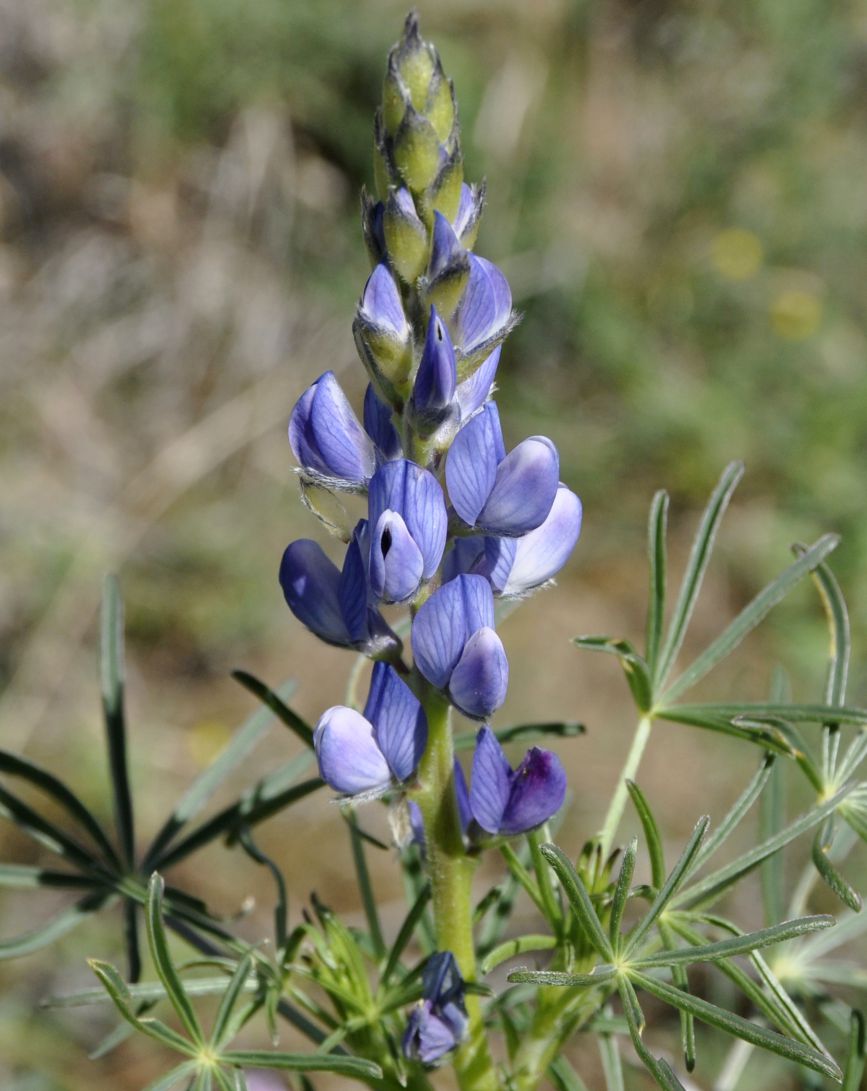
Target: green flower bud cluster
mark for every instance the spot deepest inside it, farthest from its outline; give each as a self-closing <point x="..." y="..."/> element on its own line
<point x="417" y="136"/>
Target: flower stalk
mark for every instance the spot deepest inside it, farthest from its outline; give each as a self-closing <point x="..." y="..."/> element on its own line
<point x="451" y="876"/>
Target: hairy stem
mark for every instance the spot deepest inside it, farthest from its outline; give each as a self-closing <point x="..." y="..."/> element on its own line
<point x="451" y="875"/>
<point x="618" y="800"/>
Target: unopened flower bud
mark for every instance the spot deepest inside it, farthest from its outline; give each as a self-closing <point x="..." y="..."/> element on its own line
<point x="405" y="235"/>
<point x="382" y="333"/>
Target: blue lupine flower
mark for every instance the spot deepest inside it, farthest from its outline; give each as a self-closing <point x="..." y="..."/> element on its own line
<point x="447" y="256"/>
<point x="456" y="649"/>
<point x="484" y="316"/>
<point x="436" y="378"/>
<point x="381" y="308"/>
<point x="472" y="393"/>
<point x="382" y="332"/>
<point x="466" y="222"/>
<point x="370" y="753"/>
<point x="333" y="603"/>
<point x="501" y="494"/>
<point x="438" y="1023"/>
<point x="408" y="525"/>
<point x="515" y="566"/>
<point x="326" y="437"/>
<point x="507" y="802"/>
<point x="378" y="425"/>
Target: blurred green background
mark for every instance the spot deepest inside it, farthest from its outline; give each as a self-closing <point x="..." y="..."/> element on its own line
<point x="676" y="191"/>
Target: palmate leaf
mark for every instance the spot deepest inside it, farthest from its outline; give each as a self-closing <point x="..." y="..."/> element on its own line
<point x="276" y="701"/>
<point x="709" y="717"/>
<point x="669" y="887"/>
<point x="269" y="796"/>
<point x="112" y="679"/>
<point x="651" y="833"/>
<point x="736" y="945"/>
<point x="733" y="1024"/>
<point x="63" y="796"/>
<point x="659" y="1068"/>
<point x="303" y="1062"/>
<point x="204" y="786"/>
<point x="712" y="886"/>
<point x="149" y="992"/>
<point x="173" y="1079"/>
<point x="56" y="927"/>
<point x="750" y="616"/>
<point x="772" y="1001"/>
<point x="159" y="949"/>
<point x="579" y="899"/>
<point x="699" y="557"/>
<point x="657" y="528"/>
<point x="27" y="877"/>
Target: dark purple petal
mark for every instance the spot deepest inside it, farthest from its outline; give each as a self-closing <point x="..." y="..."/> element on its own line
<point x="445" y="623"/>
<point x="399" y="724"/>
<point x="352" y="588"/>
<point x="538" y="792"/>
<point x="436" y="378"/>
<point x="396" y="563"/>
<point x="524" y="489"/>
<point x="486" y="306"/>
<point x="540" y="555"/>
<point x="381" y="304"/>
<point x="378" y="425"/>
<point x="491" y="783"/>
<point x="402" y="486"/>
<point x="441" y="980"/>
<point x="310" y="583"/>
<point x="472" y="393"/>
<point x="325" y="434"/>
<point x="349" y="759"/>
<point x="445" y="247"/>
<point x="479" y="682"/>
<point x="471" y="466"/>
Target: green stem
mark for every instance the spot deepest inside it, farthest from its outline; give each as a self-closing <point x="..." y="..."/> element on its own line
<point x="451" y="875"/>
<point x="618" y="800"/>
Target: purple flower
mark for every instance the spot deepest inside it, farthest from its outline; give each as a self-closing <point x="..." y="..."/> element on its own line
<point x="501" y="494"/>
<point x="472" y="393"/>
<point x="381" y="308"/>
<point x="507" y="802"/>
<point x="515" y="566"/>
<point x="369" y="753"/>
<point x="438" y="1023"/>
<point x="326" y="437"/>
<point x="378" y="425"/>
<point x="408" y="525"/>
<point x="447" y="256"/>
<point x="436" y="378"/>
<point x="484" y="317"/>
<point x="466" y="222"/>
<point x="456" y="649"/>
<point x="333" y="603"/>
<point x="382" y="333"/>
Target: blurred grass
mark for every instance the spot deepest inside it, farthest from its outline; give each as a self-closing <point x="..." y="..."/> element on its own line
<point x="676" y="192"/>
